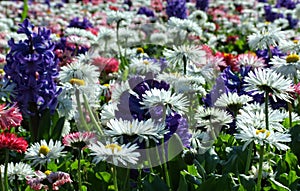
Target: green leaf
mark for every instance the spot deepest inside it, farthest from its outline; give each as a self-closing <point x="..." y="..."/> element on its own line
<point x="56" y="134"/>
<point x="153" y="182"/>
<point x="105" y="176"/>
<point x="175" y="146"/>
<point x="277" y="185"/>
<point x="191" y="178"/>
<point x="182" y="183"/>
<point x="44" y="125"/>
<point x="247" y="183"/>
<point x="292" y="160"/>
<point x="52" y="166"/>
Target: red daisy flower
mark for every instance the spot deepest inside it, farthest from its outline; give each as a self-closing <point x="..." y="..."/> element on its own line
<point x="12" y="142"/>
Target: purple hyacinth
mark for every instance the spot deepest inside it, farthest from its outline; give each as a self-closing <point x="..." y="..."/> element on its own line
<point x="32" y="66"/>
<point x="202" y="4"/>
<point x="145" y="11"/>
<point x="84" y="24"/>
<point x="270" y="15"/>
<point x="289" y="4"/>
<point x="176" y="8"/>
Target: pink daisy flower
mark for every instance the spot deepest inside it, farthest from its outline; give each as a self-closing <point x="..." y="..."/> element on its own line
<point x="79" y="139"/>
<point x="10" y="116"/>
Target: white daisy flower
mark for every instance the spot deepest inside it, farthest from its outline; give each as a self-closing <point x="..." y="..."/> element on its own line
<point x="18" y="171"/>
<point x="198" y="16"/>
<point x="232" y="101"/>
<point x="185" y="25"/>
<point x="254" y="115"/>
<point x="144" y="130"/>
<point x="184" y="83"/>
<point x="262" y="137"/>
<point x="43" y="152"/>
<point x="106" y="34"/>
<point x="117" y="90"/>
<point x="114" y="153"/>
<point x="80" y="69"/>
<point x="117" y="16"/>
<point x="287" y="66"/>
<point x="80" y="33"/>
<point x="142" y="66"/>
<point x="266" y="38"/>
<point x="108" y="112"/>
<point x="261" y="80"/>
<point x="212" y="116"/>
<point x="160" y="97"/>
<point x="290" y="46"/>
<point x="190" y="53"/>
<point x="159" y="38"/>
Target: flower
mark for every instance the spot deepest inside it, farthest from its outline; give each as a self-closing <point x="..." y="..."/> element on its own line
<point x="190" y="53"/>
<point x="10" y="116"/>
<point x="84" y="24"/>
<point x="250" y="59"/>
<point x="212" y="116"/>
<point x="117" y="17"/>
<point x="262" y="137"/>
<point x="12" y="142"/>
<point x="81" y="69"/>
<point x="232" y="101"/>
<point x="186" y="25"/>
<point x="288" y="66"/>
<point x="41" y="153"/>
<point x="266" y="38"/>
<point x="114" y="153"/>
<point x="143" y="66"/>
<point x="254" y="115"/>
<point x="160" y="97"/>
<point x="32" y="66"/>
<point x="136" y="130"/>
<point x="198" y="16"/>
<point x="79" y="139"/>
<point x="261" y="80"/>
<point x="44" y="180"/>
<point x="108" y="65"/>
<point x="18" y="171"/>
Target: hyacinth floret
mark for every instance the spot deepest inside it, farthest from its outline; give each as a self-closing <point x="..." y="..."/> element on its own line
<point x="32" y="67"/>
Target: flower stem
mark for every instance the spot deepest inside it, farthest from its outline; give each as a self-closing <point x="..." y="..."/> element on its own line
<point x="260" y="166"/>
<point x="115" y="178"/>
<point x="87" y="106"/>
<point x="267" y="109"/>
<point x="5" y="170"/>
<point x="165" y="165"/>
<point x="248" y="158"/>
<point x="82" y="119"/>
<point x="290" y="108"/>
<point x="184" y="65"/>
<point x="79" y="170"/>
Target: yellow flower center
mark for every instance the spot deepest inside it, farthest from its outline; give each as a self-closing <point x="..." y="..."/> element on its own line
<point x="146" y="62"/>
<point x="292" y="58"/>
<point x="2" y="72"/>
<point x="106" y="85"/>
<point x="263" y="131"/>
<point x="139" y="50"/>
<point x="77" y="81"/>
<point x="296" y="41"/>
<point x="113" y="147"/>
<point x="44" y="149"/>
<point x="48" y="172"/>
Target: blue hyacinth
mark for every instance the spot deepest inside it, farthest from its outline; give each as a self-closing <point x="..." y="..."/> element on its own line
<point x="32" y="66"/>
